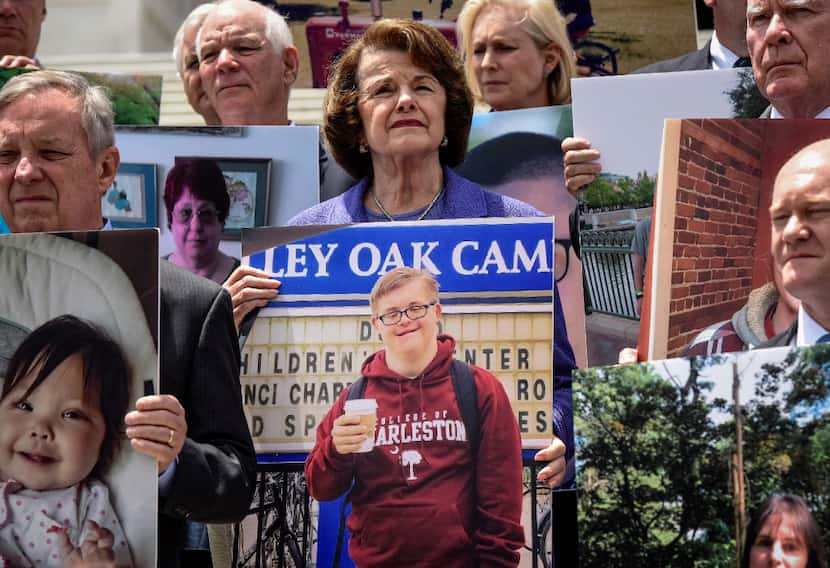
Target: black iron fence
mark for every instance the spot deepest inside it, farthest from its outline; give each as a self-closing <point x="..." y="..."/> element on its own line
<point x="609" y="274"/>
<point x="280" y="529"/>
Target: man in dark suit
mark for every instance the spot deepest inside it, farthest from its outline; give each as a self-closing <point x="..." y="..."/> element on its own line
<point x="789" y="51"/>
<point x="726" y="48"/>
<point x="57" y="158"/>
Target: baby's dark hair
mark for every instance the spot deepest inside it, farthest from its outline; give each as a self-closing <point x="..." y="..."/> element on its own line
<point x="106" y="372"/>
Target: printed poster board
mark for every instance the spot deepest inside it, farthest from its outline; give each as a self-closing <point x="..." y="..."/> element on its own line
<point x="675" y="456"/>
<point x="109" y="280"/>
<point x="711" y="250"/>
<point x="308" y="345"/>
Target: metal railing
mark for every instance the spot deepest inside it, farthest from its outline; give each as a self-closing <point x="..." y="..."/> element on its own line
<point x="609" y="275"/>
<point x="282" y="507"/>
<point x="284" y="531"/>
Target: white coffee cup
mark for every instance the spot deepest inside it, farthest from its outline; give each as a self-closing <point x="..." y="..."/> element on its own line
<point x="367" y="409"/>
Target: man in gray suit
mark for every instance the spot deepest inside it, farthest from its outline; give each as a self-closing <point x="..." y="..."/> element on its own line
<point x="57" y="158"/>
<point x="726" y="49"/>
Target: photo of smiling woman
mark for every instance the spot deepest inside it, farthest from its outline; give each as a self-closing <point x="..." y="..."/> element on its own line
<point x="197" y="203"/>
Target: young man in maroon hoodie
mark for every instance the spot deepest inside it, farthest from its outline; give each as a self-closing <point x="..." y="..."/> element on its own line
<point x="424" y="496"/>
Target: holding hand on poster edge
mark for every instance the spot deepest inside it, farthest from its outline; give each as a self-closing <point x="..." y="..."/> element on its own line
<point x="250" y="288"/>
<point x="157" y="428"/>
<point x="348" y="434"/>
<point x="18" y="62"/>
<point x="628" y="356"/>
<point x="554" y="473"/>
<point x="95" y="550"/>
<point x="581" y="163"/>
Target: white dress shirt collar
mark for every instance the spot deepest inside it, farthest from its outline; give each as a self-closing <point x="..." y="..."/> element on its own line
<point x="809" y="330"/>
<point x="720" y="56"/>
<point x="823" y="114"/>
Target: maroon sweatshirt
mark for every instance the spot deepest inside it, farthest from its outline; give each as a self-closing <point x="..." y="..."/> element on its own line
<point x="421" y="498"/>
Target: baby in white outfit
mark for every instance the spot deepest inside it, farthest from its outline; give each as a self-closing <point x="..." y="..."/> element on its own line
<point x="62" y="408"/>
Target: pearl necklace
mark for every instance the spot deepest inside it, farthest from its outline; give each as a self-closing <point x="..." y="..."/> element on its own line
<point x="389" y="216"/>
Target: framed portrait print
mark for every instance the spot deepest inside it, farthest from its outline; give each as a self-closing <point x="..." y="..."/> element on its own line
<point x="248" y="181"/>
<point x="130" y="202"/>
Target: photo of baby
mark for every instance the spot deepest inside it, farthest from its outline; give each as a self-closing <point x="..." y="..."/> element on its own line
<point x="62" y="405"/>
<point x="78" y="336"/>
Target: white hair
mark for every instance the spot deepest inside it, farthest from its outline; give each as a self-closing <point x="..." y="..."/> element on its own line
<point x="193" y="19"/>
<point x="93" y="102"/>
<point x="276" y="28"/>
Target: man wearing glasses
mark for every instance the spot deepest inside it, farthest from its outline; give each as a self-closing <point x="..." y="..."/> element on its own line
<point x="426" y="494"/>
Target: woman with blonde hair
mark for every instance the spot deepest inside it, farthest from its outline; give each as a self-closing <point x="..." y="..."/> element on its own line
<point x="516" y="53"/>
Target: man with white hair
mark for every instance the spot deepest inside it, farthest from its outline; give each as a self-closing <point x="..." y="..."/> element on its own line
<point x="57" y="158"/>
<point x="187" y="64"/>
<point x="789" y="43"/>
<point x="248" y="63"/>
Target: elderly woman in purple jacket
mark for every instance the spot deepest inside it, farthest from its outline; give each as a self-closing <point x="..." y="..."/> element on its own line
<point x="397" y="117"/>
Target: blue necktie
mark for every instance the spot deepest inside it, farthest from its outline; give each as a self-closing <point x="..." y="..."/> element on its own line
<point x="824" y="338"/>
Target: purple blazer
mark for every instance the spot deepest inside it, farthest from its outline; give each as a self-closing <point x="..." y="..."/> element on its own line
<point x="462" y="199"/>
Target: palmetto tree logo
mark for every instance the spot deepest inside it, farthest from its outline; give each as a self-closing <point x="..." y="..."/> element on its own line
<point x="411" y="458"/>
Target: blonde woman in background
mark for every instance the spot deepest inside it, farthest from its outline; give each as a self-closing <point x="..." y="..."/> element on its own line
<point x="516" y="53"/>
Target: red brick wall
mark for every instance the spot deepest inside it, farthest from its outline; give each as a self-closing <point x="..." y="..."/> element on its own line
<point x="719" y="177"/>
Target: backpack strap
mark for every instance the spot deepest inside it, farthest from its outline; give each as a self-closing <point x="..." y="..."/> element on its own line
<point x="357" y="389"/>
<point x="466" y="395"/>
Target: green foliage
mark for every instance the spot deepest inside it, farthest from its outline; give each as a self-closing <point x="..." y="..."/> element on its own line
<point x="649" y="474"/>
<point x="655" y="468"/>
<point x="747" y="101"/>
<point x="136" y="100"/>
<point x="620" y="191"/>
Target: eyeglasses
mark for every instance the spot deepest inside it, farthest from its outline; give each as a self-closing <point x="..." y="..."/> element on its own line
<point x="207" y="215"/>
<point x="562" y="248"/>
<point x="562" y="258"/>
<point x="415" y="312"/>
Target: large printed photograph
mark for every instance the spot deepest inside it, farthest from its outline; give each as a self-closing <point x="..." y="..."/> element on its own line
<point x="616" y="210"/>
<point x="225" y="178"/>
<point x="78" y="338"/>
<point x="713" y="269"/>
<point x="717" y="461"/>
<point x="307" y="345"/>
<point x="519" y="154"/>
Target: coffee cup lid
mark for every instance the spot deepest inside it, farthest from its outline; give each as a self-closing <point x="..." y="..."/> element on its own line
<point x="361" y="405"/>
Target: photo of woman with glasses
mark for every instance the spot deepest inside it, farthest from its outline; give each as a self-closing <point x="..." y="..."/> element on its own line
<point x="197" y="202"/>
